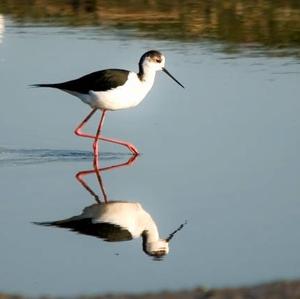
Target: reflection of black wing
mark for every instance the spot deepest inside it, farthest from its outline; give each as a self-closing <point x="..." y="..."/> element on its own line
<point x="106" y="231"/>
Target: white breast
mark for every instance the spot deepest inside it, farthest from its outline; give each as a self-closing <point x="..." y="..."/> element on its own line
<point x="128" y="95"/>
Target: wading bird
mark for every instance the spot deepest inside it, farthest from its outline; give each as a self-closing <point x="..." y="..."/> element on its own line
<point x="114" y="89"/>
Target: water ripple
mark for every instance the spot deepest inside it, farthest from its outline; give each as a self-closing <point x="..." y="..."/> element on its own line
<point x="13" y="157"/>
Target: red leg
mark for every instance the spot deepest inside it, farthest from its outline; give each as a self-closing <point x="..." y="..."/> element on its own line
<point x="78" y="129"/>
<point x="78" y="132"/>
<point x="130" y="146"/>
<point x="95" y="144"/>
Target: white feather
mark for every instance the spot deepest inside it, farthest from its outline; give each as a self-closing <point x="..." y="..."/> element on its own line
<point x="125" y="96"/>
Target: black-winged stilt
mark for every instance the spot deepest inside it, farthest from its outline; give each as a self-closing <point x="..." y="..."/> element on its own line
<point x="114" y="89"/>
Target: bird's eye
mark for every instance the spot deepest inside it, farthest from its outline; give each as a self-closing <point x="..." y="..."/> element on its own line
<point x="158" y="60"/>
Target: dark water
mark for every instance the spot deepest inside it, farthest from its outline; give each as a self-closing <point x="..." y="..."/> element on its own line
<point x="222" y="154"/>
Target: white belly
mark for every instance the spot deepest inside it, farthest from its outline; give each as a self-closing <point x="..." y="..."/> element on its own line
<point x="128" y="95"/>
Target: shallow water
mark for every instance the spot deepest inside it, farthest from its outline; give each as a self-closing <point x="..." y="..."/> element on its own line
<point x="223" y="154"/>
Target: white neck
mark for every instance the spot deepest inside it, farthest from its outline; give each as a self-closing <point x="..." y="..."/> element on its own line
<point x="147" y="73"/>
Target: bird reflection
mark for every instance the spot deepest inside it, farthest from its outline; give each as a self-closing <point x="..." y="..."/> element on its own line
<point x="115" y="221"/>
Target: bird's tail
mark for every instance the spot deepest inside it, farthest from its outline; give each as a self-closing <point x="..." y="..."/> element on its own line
<point x="53" y="223"/>
<point x="45" y="85"/>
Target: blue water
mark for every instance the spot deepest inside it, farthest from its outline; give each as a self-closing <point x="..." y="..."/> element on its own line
<point x="223" y="154"/>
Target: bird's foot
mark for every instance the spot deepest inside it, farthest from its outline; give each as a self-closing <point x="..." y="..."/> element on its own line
<point x="133" y="149"/>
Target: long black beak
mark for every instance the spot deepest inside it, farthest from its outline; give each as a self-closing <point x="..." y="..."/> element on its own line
<point x="165" y="71"/>
<point x="175" y="231"/>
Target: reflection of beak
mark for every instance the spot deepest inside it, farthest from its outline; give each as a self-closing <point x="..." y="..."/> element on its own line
<point x="175" y="231"/>
<point x="165" y="71"/>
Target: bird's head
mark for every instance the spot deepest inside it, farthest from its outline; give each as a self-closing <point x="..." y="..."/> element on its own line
<point x="154" y="61"/>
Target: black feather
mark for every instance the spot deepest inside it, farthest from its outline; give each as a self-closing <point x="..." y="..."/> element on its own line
<point x="98" y="81"/>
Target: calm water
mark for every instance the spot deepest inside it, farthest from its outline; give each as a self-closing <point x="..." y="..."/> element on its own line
<point x="223" y="154"/>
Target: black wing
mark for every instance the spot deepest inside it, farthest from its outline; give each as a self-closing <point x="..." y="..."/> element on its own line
<point x="97" y="81"/>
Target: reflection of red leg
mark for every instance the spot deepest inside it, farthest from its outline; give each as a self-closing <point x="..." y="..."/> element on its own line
<point x="129" y="162"/>
<point x="79" y="176"/>
<point x="78" y="132"/>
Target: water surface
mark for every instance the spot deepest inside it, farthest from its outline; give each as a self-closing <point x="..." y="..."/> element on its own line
<point x="222" y="154"/>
